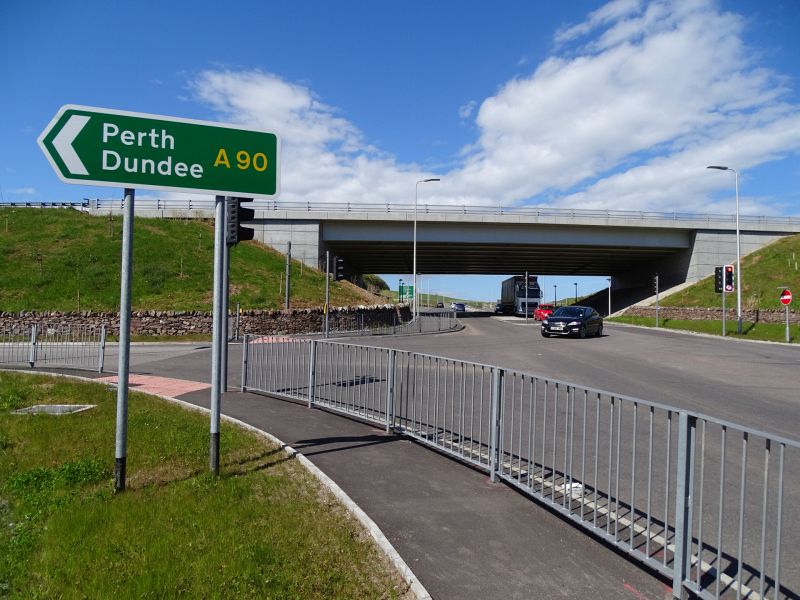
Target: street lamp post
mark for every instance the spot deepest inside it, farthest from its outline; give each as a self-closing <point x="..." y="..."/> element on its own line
<point x="400" y="291"/>
<point x="555" y="294"/>
<point x="738" y="251"/>
<point x="576" y="292"/>
<point x="609" y="295"/>
<point x="416" y="196"/>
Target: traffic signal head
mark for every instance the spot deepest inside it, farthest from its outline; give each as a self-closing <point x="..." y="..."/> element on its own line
<point x="338" y="268"/>
<point x="235" y="215"/>
<point x="719" y="280"/>
<point x="728" y="278"/>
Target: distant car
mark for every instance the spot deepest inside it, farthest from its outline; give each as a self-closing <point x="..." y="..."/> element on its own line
<point x="440" y="305"/>
<point x="578" y="321"/>
<point x="543" y="311"/>
<point x="458" y="307"/>
<point x="498" y="308"/>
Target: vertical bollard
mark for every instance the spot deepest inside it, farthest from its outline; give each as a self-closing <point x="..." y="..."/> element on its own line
<point x="101" y="352"/>
<point x="245" y="357"/>
<point x="390" y="391"/>
<point x="312" y="360"/>
<point x="32" y="351"/>
<point x="494" y="442"/>
<point x="683" y="502"/>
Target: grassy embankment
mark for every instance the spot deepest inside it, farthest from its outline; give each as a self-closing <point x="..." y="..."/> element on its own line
<point x="65" y="260"/>
<point x="764" y="273"/>
<point x="263" y="529"/>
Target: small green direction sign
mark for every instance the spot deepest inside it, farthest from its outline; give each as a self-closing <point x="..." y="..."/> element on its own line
<point x="97" y="146"/>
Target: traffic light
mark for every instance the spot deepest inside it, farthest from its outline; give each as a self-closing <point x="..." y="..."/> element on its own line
<point x="338" y="268"/>
<point x="728" y="278"/>
<point x="719" y="280"/>
<point x="235" y="215"/>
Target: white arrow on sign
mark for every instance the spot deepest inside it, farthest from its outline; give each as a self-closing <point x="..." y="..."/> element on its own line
<point x="63" y="144"/>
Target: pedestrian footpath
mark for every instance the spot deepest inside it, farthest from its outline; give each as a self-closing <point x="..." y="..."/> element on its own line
<point x="463" y="537"/>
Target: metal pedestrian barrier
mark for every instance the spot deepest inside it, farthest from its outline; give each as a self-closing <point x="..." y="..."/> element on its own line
<point x="70" y="346"/>
<point x="349" y="324"/>
<point x="712" y="505"/>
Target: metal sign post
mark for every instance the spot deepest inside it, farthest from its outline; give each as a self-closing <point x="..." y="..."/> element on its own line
<point x="123" y="368"/>
<point x="786" y="299"/>
<point x="97" y="146"/>
<point x="288" y="271"/>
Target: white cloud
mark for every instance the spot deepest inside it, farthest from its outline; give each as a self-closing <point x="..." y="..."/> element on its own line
<point x="638" y="99"/>
<point x="325" y="158"/>
<point x="465" y="110"/>
<point x="23" y="191"/>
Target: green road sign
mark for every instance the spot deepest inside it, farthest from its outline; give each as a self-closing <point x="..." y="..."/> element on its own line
<point x="97" y="146"/>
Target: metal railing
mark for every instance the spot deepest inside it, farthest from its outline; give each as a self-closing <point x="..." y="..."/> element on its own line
<point x="207" y="204"/>
<point x="710" y="504"/>
<point x="350" y="324"/>
<point x="72" y="346"/>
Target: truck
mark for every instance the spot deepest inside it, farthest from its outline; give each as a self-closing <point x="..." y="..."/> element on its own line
<point x="512" y="295"/>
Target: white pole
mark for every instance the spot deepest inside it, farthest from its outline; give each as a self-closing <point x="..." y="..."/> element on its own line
<point x="526" y="296"/>
<point x="415" y="306"/>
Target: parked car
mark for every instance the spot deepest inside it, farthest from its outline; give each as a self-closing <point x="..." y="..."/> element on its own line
<point x="543" y="311"/>
<point x="440" y="305"/>
<point x="578" y="321"/>
<point x="458" y="307"/>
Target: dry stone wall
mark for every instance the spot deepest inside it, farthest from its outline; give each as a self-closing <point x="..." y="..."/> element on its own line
<point x="181" y="323"/>
<point x="710" y="314"/>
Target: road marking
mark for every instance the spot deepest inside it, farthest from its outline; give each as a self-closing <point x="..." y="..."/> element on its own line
<point x="164" y="386"/>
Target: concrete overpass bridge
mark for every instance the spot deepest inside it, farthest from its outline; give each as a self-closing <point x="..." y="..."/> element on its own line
<point x="630" y="246"/>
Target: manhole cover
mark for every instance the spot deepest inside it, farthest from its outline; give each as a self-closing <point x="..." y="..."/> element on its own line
<point x="53" y="409"/>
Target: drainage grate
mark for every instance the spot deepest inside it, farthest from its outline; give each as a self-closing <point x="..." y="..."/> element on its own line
<point x="53" y="409"/>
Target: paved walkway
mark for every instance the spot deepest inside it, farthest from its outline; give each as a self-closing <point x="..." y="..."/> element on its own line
<point x="464" y="537"/>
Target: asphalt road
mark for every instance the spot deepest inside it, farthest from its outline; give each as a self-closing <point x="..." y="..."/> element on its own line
<point x="755" y="385"/>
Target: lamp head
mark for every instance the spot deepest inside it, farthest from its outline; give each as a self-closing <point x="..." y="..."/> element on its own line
<point x="719" y="168"/>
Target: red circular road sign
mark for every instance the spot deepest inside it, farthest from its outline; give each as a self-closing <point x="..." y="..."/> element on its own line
<point x="786" y="297"/>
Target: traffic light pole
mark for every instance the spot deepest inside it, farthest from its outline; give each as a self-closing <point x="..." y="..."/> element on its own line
<point x="658" y="308"/>
<point x="216" y="346"/>
<point x="723" y="313"/>
<point x="226" y="267"/>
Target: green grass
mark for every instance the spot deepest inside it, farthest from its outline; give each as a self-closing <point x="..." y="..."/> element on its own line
<point x="774" y="332"/>
<point x="263" y="529"/>
<point x="57" y="259"/>
<point x="763" y="272"/>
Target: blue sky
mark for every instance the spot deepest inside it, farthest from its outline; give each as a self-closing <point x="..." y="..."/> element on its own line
<point x="615" y="105"/>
